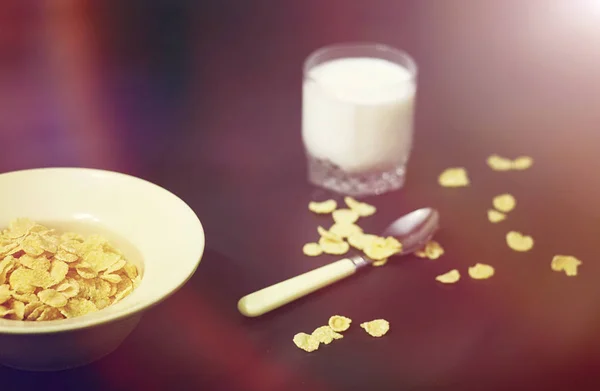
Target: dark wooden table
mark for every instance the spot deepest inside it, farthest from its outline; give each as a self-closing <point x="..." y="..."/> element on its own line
<point x="203" y="98"/>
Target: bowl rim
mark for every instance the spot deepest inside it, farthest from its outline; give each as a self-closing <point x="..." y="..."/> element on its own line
<point x="57" y="326"/>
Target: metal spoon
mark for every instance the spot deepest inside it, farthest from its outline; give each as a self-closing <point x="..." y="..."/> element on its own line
<point x="412" y="230"/>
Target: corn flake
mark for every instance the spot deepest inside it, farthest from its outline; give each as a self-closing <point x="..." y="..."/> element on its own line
<point x="37" y="312"/>
<point x="522" y="163"/>
<point x="360" y="240"/>
<point x="58" y="271"/>
<point x="5" y="311"/>
<point x="345" y="230"/>
<point x="345" y="216"/>
<point x="47" y="276"/>
<point x="66" y="256"/>
<point x="324" y="207"/>
<point x="499" y="163"/>
<point x="333" y="247"/>
<point x="52" y="298"/>
<point x="339" y="323"/>
<point x="382" y="248"/>
<point x="481" y="272"/>
<point x="5" y="293"/>
<point x="432" y="250"/>
<point x="494" y="216"/>
<point x="25" y="297"/>
<point x="363" y="209"/>
<point x="376" y="328"/>
<point x="519" y="242"/>
<point x="37" y="263"/>
<point x="49" y="313"/>
<point x="306" y="342"/>
<point x="312" y="249"/>
<point x="454" y="177"/>
<point x="504" y="202"/>
<point x="85" y="270"/>
<point x="325" y="334"/>
<point x="18" y="308"/>
<point x="449" y="278"/>
<point x="78" y="307"/>
<point x="328" y="235"/>
<point x="380" y="262"/>
<point x="566" y="263"/>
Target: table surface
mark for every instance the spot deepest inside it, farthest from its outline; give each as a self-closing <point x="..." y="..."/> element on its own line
<point x="203" y="98"/>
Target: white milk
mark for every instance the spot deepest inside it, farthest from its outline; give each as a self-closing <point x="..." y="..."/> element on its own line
<point x="358" y="113"/>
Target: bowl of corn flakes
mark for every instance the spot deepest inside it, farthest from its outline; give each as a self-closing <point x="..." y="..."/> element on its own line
<point x="83" y="253"/>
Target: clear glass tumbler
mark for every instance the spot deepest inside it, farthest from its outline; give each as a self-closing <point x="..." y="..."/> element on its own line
<point x="357" y="117"/>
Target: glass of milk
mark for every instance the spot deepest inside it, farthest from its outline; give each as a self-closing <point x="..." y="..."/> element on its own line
<point x="357" y="117"/>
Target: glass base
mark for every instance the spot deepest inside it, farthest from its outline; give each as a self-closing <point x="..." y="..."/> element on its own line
<point x="324" y="174"/>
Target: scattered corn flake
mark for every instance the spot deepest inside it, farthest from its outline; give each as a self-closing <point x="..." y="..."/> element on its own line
<point x="382" y="248"/>
<point x="306" y="342"/>
<point x="380" y="263"/>
<point x="432" y="250"/>
<point x="449" y="277"/>
<point x="566" y="263"/>
<point x="345" y="216"/>
<point x="328" y="235"/>
<point x="363" y="209"/>
<point x="481" y="271"/>
<point x="333" y="247"/>
<point x="326" y="335"/>
<point x="519" y="242"/>
<point x="522" y="163"/>
<point x="344" y="230"/>
<point x="504" y="202"/>
<point x="376" y="328"/>
<point x="339" y="323"/>
<point x="499" y="163"/>
<point x="324" y="207"/>
<point x="494" y="216"/>
<point x="361" y="240"/>
<point x="454" y="177"/>
<point x="312" y="249"/>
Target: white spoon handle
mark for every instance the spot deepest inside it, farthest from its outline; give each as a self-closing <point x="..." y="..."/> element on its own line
<point x="274" y="296"/>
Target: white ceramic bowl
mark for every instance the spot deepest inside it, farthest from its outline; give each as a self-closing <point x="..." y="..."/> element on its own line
<point x="153" y="228"/>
